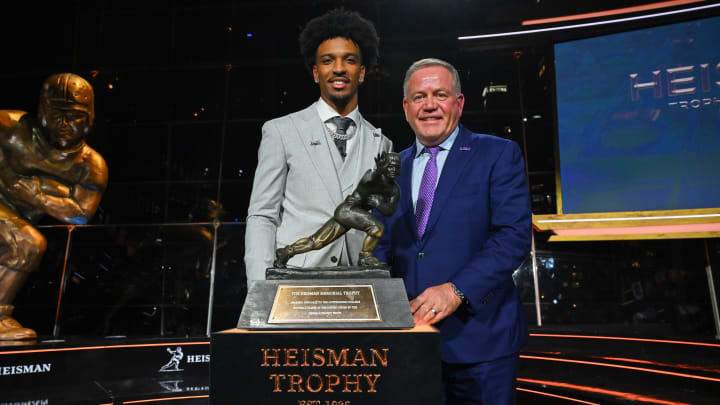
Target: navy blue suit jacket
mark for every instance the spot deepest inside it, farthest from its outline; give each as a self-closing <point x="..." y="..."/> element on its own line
<point x="478" y="233"/>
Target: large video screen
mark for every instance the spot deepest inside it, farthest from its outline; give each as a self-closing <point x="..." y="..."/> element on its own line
<point x="639" y="119"/>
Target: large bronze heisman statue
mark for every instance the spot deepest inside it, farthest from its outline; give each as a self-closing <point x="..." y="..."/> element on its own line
<point x="45" y="168"/>
<point x="377" y="189"/>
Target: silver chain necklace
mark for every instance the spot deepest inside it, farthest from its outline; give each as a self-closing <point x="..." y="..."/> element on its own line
<point x="335" y="135"/>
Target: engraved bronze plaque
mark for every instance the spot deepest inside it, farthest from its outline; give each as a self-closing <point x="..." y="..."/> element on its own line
<point x="307" y="303"/>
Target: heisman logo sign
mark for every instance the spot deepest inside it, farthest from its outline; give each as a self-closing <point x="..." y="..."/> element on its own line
<point x="174" y="363"/>
<point x="692" y="82"/>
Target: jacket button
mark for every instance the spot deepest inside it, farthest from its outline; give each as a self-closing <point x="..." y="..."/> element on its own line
<point x="333" y="259"/>
<point x="421" y="255"/>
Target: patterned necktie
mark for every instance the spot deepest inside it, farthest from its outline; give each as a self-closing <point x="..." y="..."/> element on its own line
<point x="342" y="124"/>
<point x="427" y="192"/>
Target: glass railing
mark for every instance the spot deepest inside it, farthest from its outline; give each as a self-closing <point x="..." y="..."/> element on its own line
<point x="188" y="279"/>
<point x="136" y="280"/>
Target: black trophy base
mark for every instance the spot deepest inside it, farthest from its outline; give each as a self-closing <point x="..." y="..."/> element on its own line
<point x="335" y="272"/>
<point x="304" y="367"/>
<point x="390" y="299"/>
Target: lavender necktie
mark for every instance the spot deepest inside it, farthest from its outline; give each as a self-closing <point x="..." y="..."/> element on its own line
<point x="427" y="192"/>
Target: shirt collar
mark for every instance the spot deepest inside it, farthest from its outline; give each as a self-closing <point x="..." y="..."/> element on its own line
<point x="326" y="112"/>
<point x="445" y="145"/>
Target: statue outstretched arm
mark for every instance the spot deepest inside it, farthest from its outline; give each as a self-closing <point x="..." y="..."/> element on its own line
<point x="387" y="206"/>
<point x="73" y="204"/>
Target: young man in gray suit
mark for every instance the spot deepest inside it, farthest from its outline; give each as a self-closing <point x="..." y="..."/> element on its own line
<point x="310" y="160"/>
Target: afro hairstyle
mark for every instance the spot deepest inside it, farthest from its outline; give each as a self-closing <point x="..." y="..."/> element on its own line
<point x="340" y="23"/>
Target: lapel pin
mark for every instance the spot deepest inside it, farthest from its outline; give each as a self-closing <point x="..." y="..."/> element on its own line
<point x="376" y="135"/>
<point x="314" y="143"/>
<point x="464" y="148"/>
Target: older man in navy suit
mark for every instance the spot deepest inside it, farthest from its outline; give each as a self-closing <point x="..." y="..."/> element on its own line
<point x="463" y="227"/>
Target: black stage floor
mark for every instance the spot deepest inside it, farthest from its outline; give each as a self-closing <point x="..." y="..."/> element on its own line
<point x="614" y="369"/>
<point x="555" y="368"/>
<point x="105" y="371"/>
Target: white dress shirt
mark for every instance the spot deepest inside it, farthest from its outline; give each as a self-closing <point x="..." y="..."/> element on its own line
<point x="326" y="112"/>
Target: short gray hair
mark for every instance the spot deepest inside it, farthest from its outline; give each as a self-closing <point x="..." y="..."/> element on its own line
<point x="423" y="63"/>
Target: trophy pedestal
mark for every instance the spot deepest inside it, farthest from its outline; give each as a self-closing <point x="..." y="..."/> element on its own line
<point x="326" y="367"/>
<point x="326" y="337"/>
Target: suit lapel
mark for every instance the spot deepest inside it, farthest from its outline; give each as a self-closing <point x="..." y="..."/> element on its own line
<point x="459" y="156"/>
<point x="312" y="136"/>
<point x="406" y="205"/>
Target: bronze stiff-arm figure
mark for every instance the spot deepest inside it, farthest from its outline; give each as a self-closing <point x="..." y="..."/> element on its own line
<point x="377" y="189"/>
<point x="46" y="168"/>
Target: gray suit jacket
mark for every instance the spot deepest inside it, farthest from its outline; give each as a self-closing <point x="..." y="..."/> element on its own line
<point x="299" y="181"/>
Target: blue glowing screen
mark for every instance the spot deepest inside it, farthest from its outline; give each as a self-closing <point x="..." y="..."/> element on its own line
<point x="639" y="119"/>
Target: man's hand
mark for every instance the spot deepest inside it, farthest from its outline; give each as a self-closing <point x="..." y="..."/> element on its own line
<point x="373" y="200"/>
<point x="440" y="298"/>
<point x="27" y="189"/>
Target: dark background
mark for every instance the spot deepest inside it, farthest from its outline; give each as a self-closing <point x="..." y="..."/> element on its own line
<point x="182" y="89"/>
